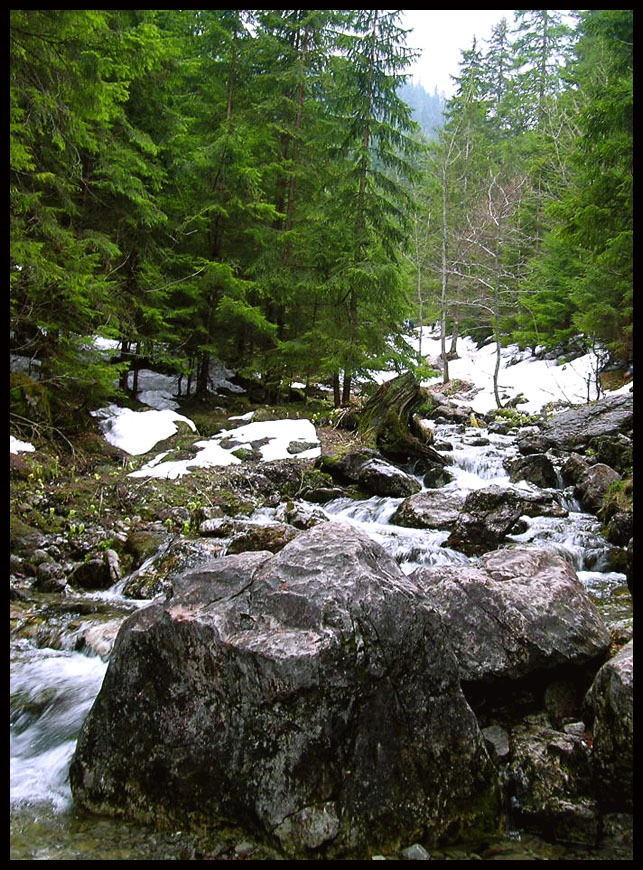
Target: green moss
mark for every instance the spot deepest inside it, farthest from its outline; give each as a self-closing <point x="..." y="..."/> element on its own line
<point x="516" y="418"/>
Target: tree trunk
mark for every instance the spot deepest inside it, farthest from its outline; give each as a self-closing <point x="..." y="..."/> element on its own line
<point x="453" y="351"/>
<point x="387" y="420"/>
<point x="202" y="375"/>
<point x="443" y="295"/>
<point x="346" y="389"/>
<point x="337" y="399"/>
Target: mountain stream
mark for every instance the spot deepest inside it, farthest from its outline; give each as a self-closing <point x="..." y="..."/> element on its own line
<point x="53" y="685"/>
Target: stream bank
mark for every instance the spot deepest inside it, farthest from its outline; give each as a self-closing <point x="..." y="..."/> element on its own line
<point x="42" y="624"/>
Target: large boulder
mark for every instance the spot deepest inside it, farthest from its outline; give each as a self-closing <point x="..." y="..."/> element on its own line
<point x="610" y="703"/>
<point x="310" y="695"/>
<point x="593" y="485"/>
<point x="490" y="514"/>
<point x="550" y="781"/>
<point x="576" y="426"/>
<point x="522" y="610"/>
<point x="536" y="468"/>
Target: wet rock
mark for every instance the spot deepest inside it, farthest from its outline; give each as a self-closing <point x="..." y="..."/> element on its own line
<point x="317" y="699"/>
<point x="536" y="468"/>
<point x="221" y="527"/>
<point x="296" y="447"/>
<point x="573" y="468"/>
<point x="158" y="575"/>
<point x="521" y="611"/>
<point x="531" y="443"/>
<point x="542" y="504"/>
<point x="416" y="852"/>
<point x="50" y="577"/>
<point x="576" y="426"/>
<point x="99" y="639"/>
<point x="429" y="510"/>
<point x="219" y="578"/>
<point x="563" y="700"/>
<point x="550" y="783"/>
<point x="142" y="543"/>
<point x="451" y="413"/>
<point x="372" y="473"/>
<point x="437" y="476"/>
<point x="322" y="494"/>
<point x="610" y="701"/>
<point x="487" y="517"/>
<point x="95" y="573"/>
<point x="24" y="539"/>
<point x="614" y="450"/>
<point x="497" y="740"/>
<point x="300" y="515"/>
<point x="620" y="528"/>
<point x="273" y="538"/>
<point x="592" y="486"/>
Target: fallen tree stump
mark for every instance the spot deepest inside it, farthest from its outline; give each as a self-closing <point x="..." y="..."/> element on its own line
<point x="388" y="421"/>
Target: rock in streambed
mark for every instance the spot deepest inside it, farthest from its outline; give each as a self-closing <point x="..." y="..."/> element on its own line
<point x="311" y="695"/>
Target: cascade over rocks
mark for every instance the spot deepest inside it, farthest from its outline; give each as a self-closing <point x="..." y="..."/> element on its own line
<point x="489" y="515"/>
<point x="311" y="695"/>
<point x="520" y="611"/>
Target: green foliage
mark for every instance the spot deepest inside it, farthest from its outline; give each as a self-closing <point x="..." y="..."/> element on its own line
<point x="250" y="185"/>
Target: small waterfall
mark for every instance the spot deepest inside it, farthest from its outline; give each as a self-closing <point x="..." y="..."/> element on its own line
<point x="51" y="693"/>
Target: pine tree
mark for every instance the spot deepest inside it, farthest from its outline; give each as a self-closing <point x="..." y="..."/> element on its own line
<point x="70" y="78"/>
<point x="370" y="204"/>
<point x="596" y="215"/>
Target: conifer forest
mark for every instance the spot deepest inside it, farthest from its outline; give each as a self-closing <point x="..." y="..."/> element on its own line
<point x="254" y="186"/>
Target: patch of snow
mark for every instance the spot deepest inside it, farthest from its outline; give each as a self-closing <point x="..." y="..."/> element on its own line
<point x="211" y="454"/>
<point x="137" y="432"/>
<point x="540" y="381"/>
<point x="16" y="446"/>
<point x="247" y="416"/>
<point x="279" y="434"/>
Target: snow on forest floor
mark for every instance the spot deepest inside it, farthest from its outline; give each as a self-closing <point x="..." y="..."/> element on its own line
<point x="136" y="432"/>
<point x="540" y="381"/>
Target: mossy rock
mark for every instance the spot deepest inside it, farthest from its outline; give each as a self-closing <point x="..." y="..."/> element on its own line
<point x="143" y="543"/>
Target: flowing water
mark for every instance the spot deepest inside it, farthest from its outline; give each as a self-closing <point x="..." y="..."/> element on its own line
<point x="52" y="689"/>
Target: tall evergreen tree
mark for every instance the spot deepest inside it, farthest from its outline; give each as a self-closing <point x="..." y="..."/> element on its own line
<point x="371" y="204"/>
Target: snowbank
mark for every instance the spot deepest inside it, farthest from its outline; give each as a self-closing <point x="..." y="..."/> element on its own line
<point x="540" y="381"/>
<point x="16" y="446"/>
<point x="137" y="432"/>
<point x="278" y="435"/>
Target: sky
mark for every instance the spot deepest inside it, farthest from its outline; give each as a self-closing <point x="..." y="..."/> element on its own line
<point x="442" y="35"/>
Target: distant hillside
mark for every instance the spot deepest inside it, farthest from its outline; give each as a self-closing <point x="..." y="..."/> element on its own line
<point x="427" y="108"/>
